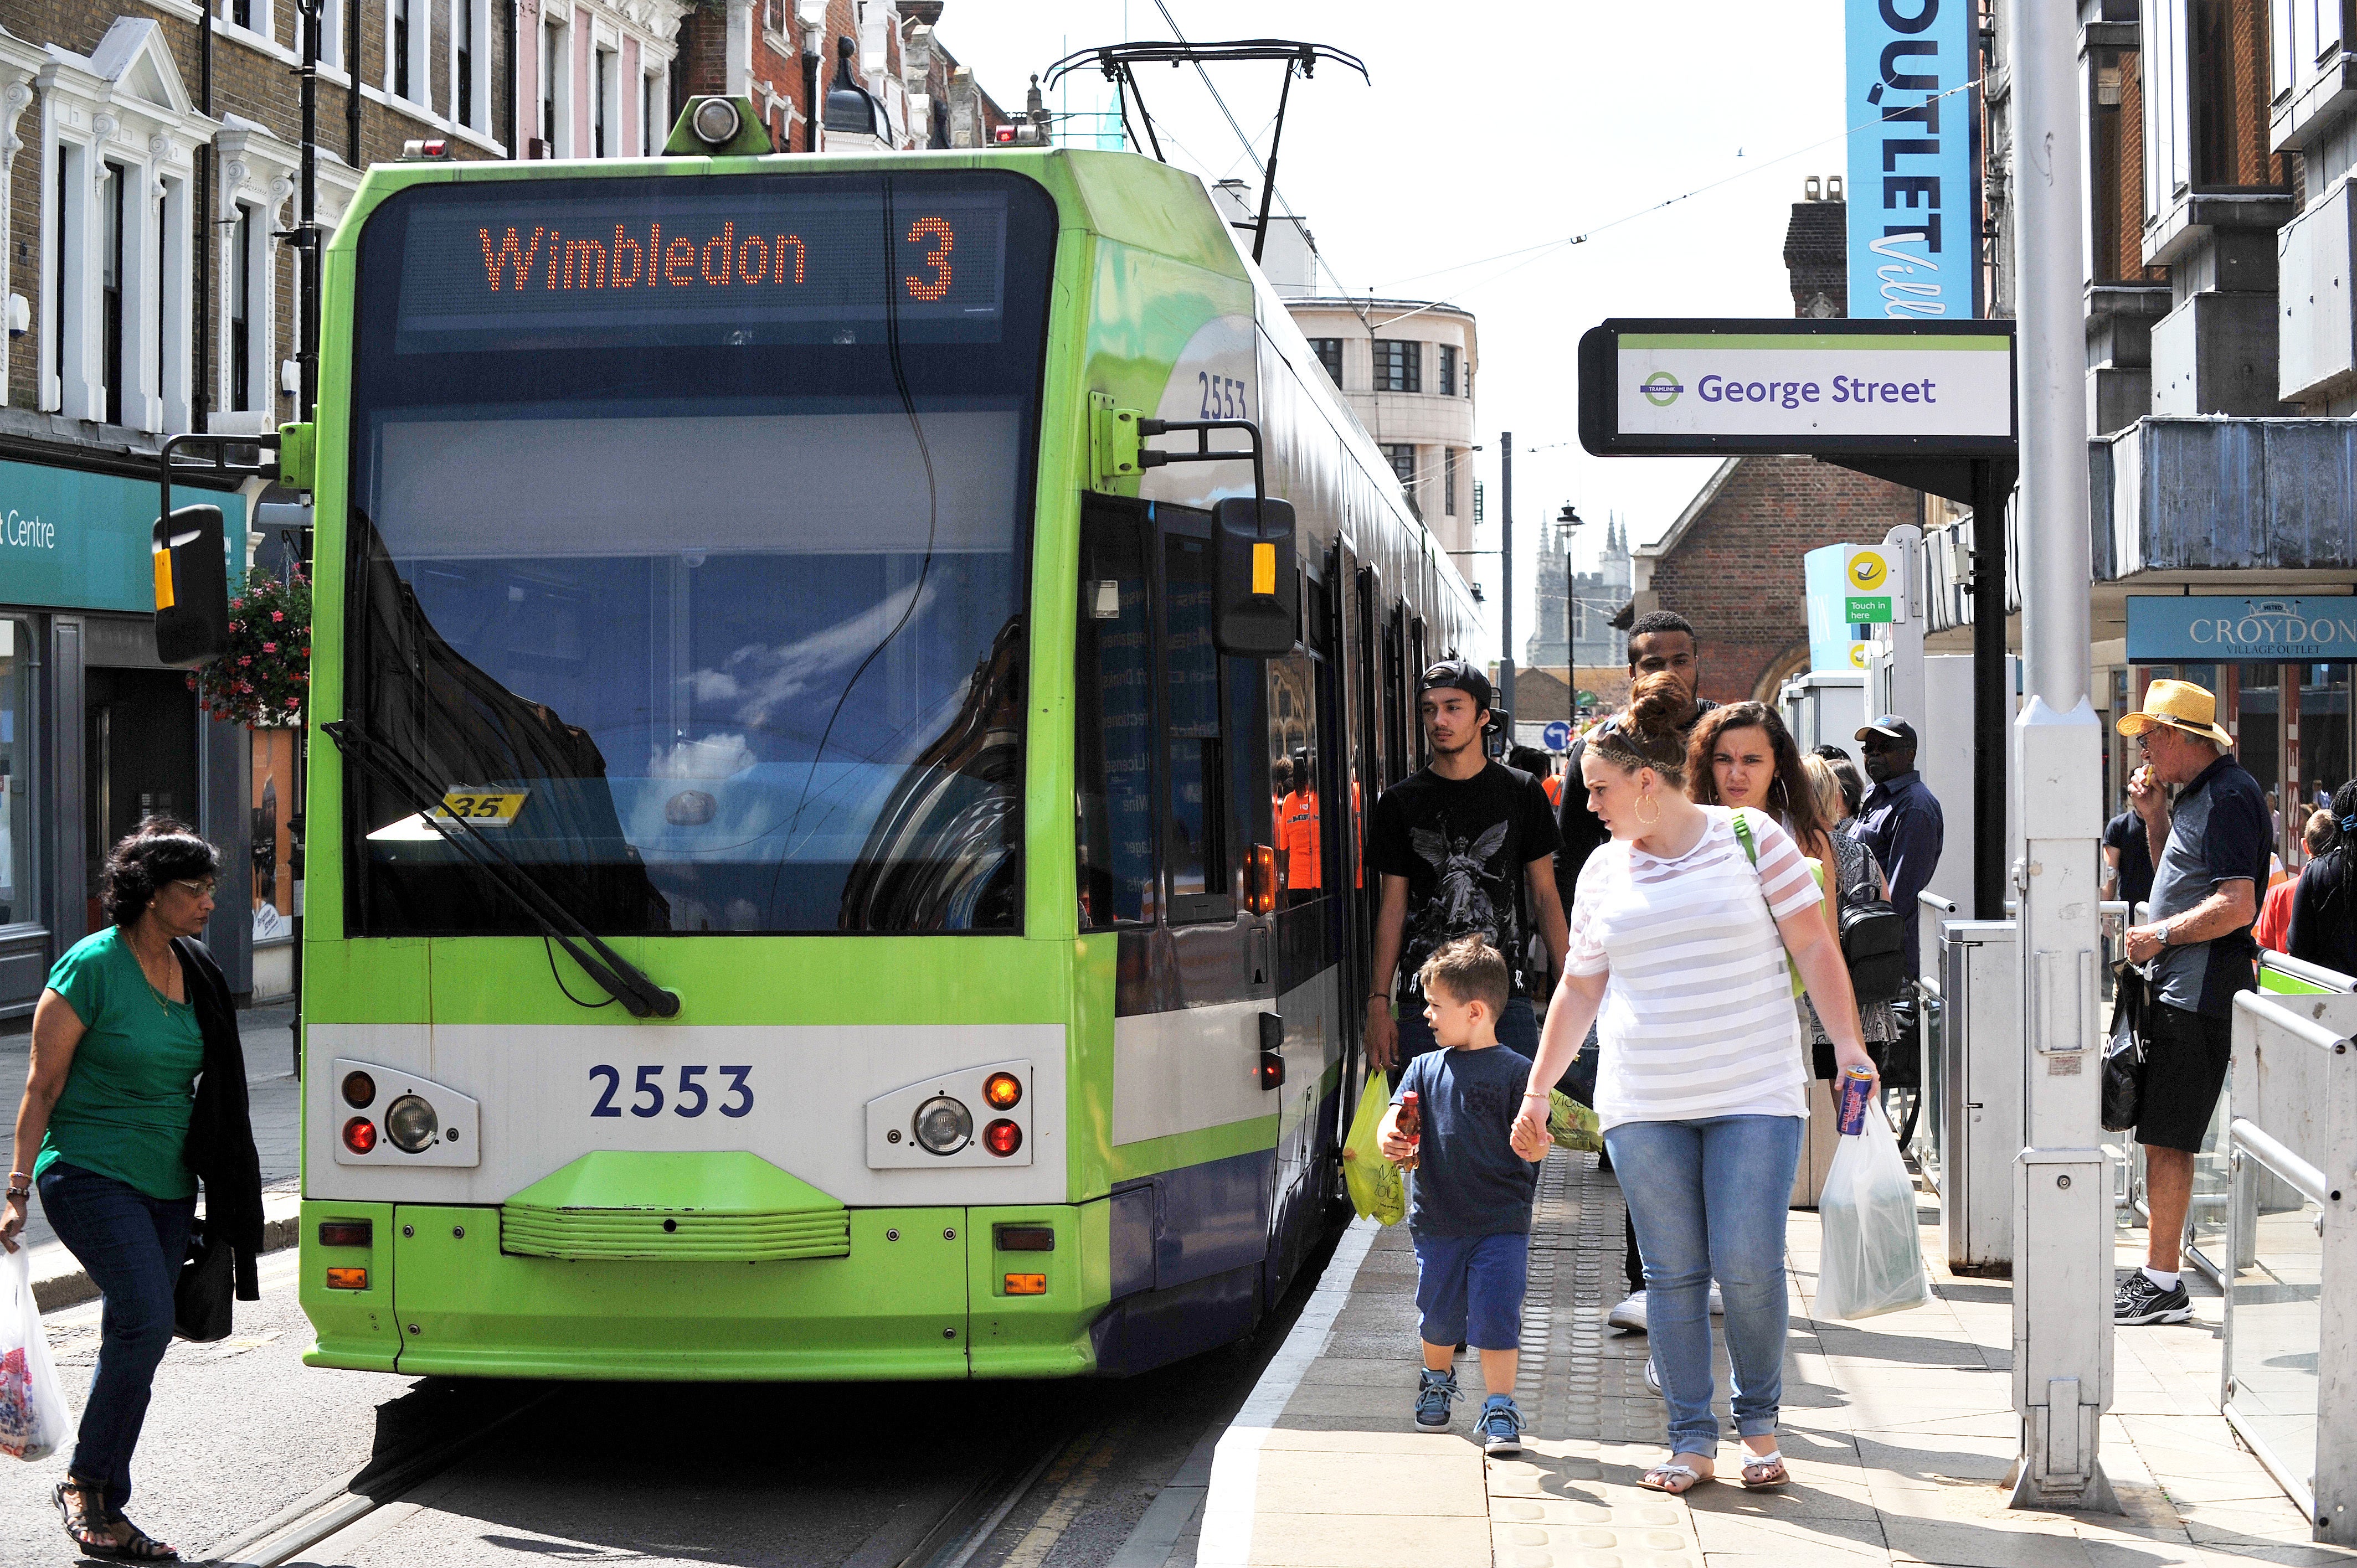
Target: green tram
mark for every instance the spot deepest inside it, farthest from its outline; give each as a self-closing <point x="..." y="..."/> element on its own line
<point x="849" y="942"/>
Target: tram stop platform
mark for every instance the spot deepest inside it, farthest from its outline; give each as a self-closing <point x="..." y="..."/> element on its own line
<point x="1898" y="1431"/>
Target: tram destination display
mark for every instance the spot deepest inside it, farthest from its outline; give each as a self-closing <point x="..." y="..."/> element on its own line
<point x="636" y="261"/>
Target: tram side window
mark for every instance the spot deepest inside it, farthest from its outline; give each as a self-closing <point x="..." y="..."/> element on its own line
<point x="1196" y="849"/>
<point x="1294" y="759"/>
<point x="1115" y="734"/>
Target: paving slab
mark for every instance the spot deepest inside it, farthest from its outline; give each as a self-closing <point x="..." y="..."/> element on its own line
<point x="1898" y="1430"/>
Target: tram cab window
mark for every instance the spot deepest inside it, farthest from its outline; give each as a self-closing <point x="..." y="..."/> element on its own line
<point x="1115" y="731"/>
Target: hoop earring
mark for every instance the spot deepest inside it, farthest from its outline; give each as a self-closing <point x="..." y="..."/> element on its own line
<point x="1644" y="801"/>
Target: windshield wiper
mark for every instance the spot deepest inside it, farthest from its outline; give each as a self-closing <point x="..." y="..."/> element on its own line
<point x="622" y="980"/>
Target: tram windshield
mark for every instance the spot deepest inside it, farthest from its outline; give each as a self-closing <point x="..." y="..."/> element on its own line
<point x="689" y="550"/>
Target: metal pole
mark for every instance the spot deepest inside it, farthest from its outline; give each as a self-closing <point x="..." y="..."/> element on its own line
<point x="2063" y="1218"/>
<point x="1506" y="559"/>
<point x="306" y="353"/>
<point x="1989" y="744"/>
<point x="1268" y="175"/>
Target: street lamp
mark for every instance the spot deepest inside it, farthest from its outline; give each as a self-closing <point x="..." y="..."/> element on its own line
<point x="1565" y="521"/>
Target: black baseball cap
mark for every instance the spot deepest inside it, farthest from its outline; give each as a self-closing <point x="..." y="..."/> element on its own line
<point x="1891" y="727"/>
<point x="1456" y="674"/>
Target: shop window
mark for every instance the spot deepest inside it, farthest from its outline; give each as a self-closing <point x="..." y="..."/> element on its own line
<point x="274" y="795"/>
<point x="16" y="772"/>
<point x="2324" y="731"/>
<point x="1114" y="737"/>
<point x="2258" y="726"/>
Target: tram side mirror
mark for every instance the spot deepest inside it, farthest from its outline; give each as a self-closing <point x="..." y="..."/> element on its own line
<point x="191" y="588"/>
<point x="1257" y="593"/>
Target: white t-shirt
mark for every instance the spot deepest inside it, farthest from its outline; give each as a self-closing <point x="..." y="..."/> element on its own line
<point x="1697" y="1018"/>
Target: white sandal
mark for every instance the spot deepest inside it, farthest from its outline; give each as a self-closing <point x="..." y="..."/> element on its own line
<point x="1671" y="1467"/>
<point x="1773" y="1460"/>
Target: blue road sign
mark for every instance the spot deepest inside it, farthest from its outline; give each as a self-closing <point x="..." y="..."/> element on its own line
<point x="1558" y="735"/>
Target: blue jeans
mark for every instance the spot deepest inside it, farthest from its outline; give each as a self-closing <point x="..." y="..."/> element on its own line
<point x="1709" y="1199"/>
<point x="1518" y="1030"/>
<point x="132" y="1245"/>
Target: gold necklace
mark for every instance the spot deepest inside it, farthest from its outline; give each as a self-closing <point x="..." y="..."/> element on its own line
<point x="154" y="990"/>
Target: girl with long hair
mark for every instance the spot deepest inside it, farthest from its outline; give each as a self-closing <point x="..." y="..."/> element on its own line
<point x="1741" y="755"/>
<point x="2324" y="904"/>
<point x="1700" y="1087"/>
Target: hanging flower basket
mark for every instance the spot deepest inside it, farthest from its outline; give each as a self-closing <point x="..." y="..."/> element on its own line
<point x="265" y="679"/>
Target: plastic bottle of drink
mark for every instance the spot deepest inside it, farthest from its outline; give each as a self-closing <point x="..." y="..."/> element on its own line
<point x="1411" y="1126"/>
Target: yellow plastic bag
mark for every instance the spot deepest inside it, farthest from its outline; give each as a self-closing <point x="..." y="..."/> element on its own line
<point x="1377" y="1188"/>
<point x="1573" y="1126"/>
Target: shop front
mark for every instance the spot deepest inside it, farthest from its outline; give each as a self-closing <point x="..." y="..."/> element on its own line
<point x="96" y="733"/>
<point x="2281" y="667"/>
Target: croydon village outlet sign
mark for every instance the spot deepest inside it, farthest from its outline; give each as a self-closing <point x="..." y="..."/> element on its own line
<point x="1805" y="387"/>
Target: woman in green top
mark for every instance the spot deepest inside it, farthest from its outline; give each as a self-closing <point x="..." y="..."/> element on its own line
<point x="117" y="1049"/>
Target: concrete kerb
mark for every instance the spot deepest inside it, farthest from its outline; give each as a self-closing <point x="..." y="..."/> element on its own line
<point x="60" y="1279"/>
<point x="1235" y="1463"/>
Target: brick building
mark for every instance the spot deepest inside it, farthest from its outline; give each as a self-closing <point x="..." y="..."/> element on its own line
<point x="1731" y="561"/>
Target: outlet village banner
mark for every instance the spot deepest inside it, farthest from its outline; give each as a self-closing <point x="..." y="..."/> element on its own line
<point x="1914" y="169"/>
<point x="1660" y="387"/>
<point x="2204" y="628"/>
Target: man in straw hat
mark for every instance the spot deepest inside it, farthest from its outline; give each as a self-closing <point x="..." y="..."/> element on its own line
<point x="2210" y="858"/>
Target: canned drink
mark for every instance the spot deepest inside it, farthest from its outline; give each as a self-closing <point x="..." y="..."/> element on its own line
<point x="1856" y="1091"/>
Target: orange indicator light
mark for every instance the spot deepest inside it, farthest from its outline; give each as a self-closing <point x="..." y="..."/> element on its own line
<point x="348" y="1279"/>
<point x="1027" y="1285"/>
<point x="1004" y="1090"/>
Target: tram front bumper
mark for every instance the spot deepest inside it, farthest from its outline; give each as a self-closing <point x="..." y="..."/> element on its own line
<point x="920" y="1295"/>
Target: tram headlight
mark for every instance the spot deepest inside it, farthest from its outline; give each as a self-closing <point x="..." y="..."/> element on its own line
<point x="716" y="122"/>
<point x="411" y="1123"/>
<point x="944" y="1126"/>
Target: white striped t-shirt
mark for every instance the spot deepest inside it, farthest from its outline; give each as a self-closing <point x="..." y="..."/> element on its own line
<point x="1697" y="1018"/>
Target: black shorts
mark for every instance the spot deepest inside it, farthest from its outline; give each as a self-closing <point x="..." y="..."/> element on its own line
<point x="2186" y="1056"/>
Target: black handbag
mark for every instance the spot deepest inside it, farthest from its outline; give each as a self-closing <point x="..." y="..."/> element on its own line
<point x="1873" y="942"/>
<point x="201" y="1297"/>
<point x="2124" y="1057"/>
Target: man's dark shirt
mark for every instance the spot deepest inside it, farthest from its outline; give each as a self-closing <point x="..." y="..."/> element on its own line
<point x="1462" y="843"/>
<point x="1583" y="831"/>
<point x="2126" y="833"/>
<point x="1902" y="824"/>
<point x="2217" y="832"/>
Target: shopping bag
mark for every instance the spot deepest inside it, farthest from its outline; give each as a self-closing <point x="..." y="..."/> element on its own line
<point x="1378" y="1191"/>
<point x="2124" y="1052"/>
<point x="1871" y="1257"/>
<point x="1573" y="1126"/>
<point x="201" y="1309"/>
<point x="33" y="1420"/>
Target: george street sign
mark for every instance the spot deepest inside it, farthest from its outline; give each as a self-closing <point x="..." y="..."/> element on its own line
<point x="1657" y="387"/>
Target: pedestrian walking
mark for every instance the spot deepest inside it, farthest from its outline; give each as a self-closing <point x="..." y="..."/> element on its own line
<point x="2209" y="855"/>
<point x="2274" y="930"/>
<point x="2323" y="928"/>
<point x="1469" y="1205"/>
<point x="136" y="1092"/>
<point x="1700" y="1092"/>
<point x="1661" y="642"/>
<point x="1465" y="846"/>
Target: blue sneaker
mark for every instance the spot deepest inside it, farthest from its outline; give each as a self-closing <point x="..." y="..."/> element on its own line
<point x="1435" y="1391"/>
<point x="1501" y="1426"/>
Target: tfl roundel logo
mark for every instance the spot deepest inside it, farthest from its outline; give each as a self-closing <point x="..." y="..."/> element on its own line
<point x="1660" y="389"/>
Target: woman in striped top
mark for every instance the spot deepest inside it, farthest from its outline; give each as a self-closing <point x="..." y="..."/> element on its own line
<point x="1679" y="944"/>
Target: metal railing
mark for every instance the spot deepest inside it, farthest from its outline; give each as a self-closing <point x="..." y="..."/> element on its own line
<point x="2288" y="1245"/>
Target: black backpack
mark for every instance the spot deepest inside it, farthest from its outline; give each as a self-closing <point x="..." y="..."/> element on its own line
<point x="1873" y="942"/>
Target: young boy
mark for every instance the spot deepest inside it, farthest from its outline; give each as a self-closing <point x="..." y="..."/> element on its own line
<point x="1470" y="1213"/>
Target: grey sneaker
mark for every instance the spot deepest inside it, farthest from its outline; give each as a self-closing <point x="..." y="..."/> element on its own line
<point x="2141" y="1301"/>
<point x="1435" y="1393"/>
<point x="1501" y="1426"/>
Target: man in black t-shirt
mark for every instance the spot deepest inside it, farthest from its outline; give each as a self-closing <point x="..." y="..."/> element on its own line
<point x="1465" y="846"/>
<point x="2127" y="859"/>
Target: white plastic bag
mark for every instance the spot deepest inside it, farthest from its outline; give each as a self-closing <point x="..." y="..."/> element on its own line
<point x="1872" y="1258"/>
<point x="33" y="1418"/>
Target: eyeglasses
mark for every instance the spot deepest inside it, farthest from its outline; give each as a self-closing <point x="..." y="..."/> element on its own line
<point x="204" y="889"/>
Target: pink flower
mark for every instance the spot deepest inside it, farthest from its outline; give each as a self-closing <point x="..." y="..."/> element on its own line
<point x="269" y="648"/>
<point x="277" y="615"/>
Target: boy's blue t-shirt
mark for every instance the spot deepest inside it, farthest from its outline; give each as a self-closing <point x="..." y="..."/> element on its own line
<point x="1469" y="1180"/>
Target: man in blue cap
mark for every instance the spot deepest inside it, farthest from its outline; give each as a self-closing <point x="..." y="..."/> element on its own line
<point x="1901" y="822"/>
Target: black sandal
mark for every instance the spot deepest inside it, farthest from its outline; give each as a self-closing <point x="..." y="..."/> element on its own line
<point x="141" y="1547"/>
<point x="83" y="1527"/>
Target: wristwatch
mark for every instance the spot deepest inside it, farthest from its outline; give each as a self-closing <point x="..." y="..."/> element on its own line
<point x="2165" y="932"/>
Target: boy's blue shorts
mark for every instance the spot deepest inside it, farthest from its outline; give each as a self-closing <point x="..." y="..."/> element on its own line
<point x="1471" y="1288"/>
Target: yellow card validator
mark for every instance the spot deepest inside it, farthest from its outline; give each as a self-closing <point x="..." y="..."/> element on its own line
<point x="484" y="808"/>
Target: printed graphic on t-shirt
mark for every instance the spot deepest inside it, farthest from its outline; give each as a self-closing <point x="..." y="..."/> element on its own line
<point x="1462" y="845"/>
<point x="1473" y="891"/>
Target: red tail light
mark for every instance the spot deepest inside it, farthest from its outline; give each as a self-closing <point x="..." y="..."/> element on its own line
<point x="1002" y="1137"/>
<point x="1271" y="1071"/>
<point x="346" y="1232"/>
<point x="359" y="1135"/>
<point x="1004" y="1090"/>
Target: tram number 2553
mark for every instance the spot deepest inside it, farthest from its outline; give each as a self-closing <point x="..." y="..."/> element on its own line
<point x="689" y="1096"/>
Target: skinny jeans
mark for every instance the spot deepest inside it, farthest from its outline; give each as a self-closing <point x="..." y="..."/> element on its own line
<point x="1709" y="1199"/>
<point x="132" y="1246"/>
